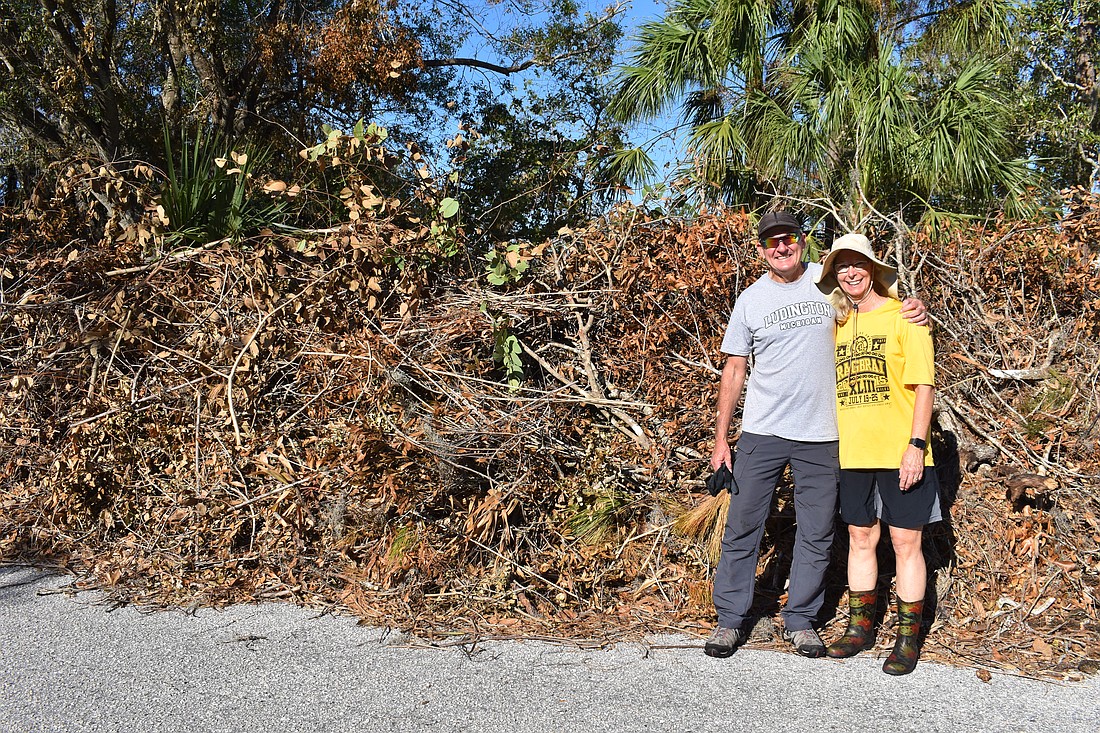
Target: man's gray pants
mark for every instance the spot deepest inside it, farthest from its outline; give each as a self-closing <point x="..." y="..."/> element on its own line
<point x="757" y="468"/>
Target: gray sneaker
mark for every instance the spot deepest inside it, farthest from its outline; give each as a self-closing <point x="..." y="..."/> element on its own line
<point x="806" y="642"/>
<point x="723" y="641"/>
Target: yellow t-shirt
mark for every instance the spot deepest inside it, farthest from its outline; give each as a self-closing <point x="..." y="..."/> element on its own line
<point x="880" y="358"/>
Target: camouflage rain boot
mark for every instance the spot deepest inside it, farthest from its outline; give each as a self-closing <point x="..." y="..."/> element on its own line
<point x="860" y="633"/>
<point x="903" y="659"/>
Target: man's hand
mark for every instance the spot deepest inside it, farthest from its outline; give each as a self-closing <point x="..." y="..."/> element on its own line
<point x="914" y="311"/>
<point x="721" y="479"/>
<point x="722" y="456"/>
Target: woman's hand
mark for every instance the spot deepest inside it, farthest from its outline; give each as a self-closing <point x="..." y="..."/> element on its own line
<point x="912" y="467"/>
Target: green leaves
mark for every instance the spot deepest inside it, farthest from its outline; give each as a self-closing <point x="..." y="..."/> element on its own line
<point x="507" y="266"/>
<point x="972" y="27"/>
<point x="671" y="56"/>
<point x="964" y="140"/>
<point x="1055" y="57"/>
<point x="448" y="207"/>
<point x="507" y="352"/>
<point x="362" y="134"/>
<point x="507" y="349"/>
<point x="717" y="144"/>
<point x="632" y="166"/>
<point x="209" y="193"/>
<point x="835" y="101"/>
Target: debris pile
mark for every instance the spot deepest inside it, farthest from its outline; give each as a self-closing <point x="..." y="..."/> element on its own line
<point x="314" y="419"/>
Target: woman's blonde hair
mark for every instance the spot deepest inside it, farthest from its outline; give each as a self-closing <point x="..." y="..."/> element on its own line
<point x="843" y="305"/>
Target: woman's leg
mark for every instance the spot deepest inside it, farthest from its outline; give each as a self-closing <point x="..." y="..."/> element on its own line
<point x="911" y="583"/>
<point x="912" y="574"/>
<point x="862" y="595"/>
<point x="862" y="556"/>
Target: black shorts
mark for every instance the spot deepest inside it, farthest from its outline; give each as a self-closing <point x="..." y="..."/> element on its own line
<point x="911" y="509"/>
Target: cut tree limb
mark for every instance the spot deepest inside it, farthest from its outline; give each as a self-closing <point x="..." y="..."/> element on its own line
<point x="635" y="432"/>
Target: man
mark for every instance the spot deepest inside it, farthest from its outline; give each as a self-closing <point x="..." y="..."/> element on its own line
<point x="787" y="326"/>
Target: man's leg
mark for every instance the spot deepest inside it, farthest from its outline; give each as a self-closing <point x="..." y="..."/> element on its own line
<point x="757" y="466"/>
<point x="816" y="468"/>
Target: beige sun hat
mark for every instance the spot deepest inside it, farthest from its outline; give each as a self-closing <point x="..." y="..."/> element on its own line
<point x="885" y="277"/>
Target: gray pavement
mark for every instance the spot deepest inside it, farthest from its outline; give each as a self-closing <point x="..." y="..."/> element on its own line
<point x="70" y="664"/>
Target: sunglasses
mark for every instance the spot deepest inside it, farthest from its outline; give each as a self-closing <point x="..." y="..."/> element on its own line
<point x="778" y="239"/>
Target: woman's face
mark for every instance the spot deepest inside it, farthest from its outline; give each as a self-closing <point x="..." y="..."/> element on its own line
<point x="854" y="273"/>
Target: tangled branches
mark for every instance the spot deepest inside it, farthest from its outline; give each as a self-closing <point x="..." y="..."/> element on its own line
<point x="306" y="419"/>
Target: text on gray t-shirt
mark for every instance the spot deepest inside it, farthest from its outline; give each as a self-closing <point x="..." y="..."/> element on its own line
<point x="788" y="330"/>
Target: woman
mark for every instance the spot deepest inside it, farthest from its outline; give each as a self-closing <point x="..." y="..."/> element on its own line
<point x="884" y="387"/>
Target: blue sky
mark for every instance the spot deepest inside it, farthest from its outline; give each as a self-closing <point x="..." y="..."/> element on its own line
<point x="666" y="150"/>
<point x="499" y="17"/>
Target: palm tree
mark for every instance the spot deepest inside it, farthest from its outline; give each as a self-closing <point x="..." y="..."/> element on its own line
<point x="858" y="108"/>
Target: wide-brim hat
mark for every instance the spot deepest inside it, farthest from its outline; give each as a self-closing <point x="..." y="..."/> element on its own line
<point x="885" y="277"/>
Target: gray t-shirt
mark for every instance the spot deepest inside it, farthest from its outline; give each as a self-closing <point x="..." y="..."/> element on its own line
<point x="788" y="330"/>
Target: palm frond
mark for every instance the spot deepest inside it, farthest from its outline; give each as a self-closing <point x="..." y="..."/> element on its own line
<point x="626" y="167"/>
<point x="965" y="138"/>
<point x="597" y="521"/>
<point x="886" y="116"/>
<point x="739" y="31"/>
<point x="670" y="57"/>
<point x="971" y="26"/>
<point x="705" y="523"/>
<point x="828" y="99"/>
<point x="784" y="144"/>
<point x="717" y="145"/>
<point x="704" y="105"/>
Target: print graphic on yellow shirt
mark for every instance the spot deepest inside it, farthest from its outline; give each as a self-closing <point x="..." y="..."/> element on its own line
<point x="880" y="358"/>
<point x="861" y="372"/>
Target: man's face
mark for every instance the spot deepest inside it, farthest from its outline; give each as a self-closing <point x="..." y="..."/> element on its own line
<point x="783" y="253"/>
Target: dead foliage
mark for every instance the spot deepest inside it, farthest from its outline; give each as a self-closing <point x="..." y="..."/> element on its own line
<point x="306" y="419"/>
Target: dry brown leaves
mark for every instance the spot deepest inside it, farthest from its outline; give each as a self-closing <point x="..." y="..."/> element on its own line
<point x="316" y="424"/>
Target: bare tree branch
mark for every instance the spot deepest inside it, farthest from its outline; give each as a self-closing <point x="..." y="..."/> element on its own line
<point x="479" y="64"/>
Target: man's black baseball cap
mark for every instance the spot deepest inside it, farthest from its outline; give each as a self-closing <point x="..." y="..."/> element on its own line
<point x="777" y="222"/>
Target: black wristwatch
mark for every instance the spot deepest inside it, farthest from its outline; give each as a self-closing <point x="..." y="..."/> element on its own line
<point x="919" y="443"/>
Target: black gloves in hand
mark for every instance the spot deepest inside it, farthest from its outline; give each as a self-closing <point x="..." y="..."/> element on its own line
<point x="721" y="479"/>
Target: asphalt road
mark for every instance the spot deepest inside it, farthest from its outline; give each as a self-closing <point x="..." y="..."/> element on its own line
<point x="70" y="664"/>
